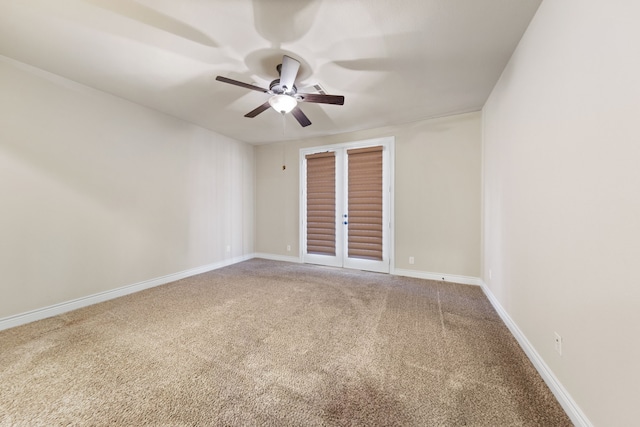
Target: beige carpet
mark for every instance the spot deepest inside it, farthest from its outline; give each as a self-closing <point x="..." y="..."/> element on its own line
<point x="276" y="344"/>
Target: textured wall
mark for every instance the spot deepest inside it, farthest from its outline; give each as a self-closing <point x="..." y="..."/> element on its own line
<point x="98" y="193"/>
<point x="437" y="193"/>
<point x="562" y="200"/>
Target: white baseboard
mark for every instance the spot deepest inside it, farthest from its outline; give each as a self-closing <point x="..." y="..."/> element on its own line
<point x="465" y="280"/>
<point x="566" y="401"/>
<point x="56" y="309"/>
<point x="273" y="257"/>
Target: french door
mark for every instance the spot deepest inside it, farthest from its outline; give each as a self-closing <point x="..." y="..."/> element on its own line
<point x="345" y="205"/>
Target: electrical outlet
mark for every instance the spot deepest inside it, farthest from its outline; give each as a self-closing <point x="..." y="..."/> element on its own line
<point x="558" y="343"/>
<point x="288" y="248"/>
<point x="490" y="275"/>
<point x="412" y="260"/>
<point x="228" y="248"/>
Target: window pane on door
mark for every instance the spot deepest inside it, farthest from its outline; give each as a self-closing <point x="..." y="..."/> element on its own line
<point x="321" y="203"/>
<point x="365" y="203"/>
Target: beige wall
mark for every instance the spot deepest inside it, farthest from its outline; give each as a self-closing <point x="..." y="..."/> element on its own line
<point x="97" y="193"/>
<point x="437" y="194"/>
<point x="562" y="199"/>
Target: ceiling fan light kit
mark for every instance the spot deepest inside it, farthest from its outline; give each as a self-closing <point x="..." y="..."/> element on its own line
<point x="284" y="94"/>
<point x="283" y="103"/>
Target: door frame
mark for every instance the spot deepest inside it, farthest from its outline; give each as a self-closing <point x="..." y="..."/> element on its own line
<point x="389" y="144"/>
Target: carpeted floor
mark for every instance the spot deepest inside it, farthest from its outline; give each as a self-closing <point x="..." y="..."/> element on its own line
<point x="276" y="344"/>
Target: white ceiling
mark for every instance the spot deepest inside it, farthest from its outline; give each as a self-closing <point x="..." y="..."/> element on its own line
<point x="394" y="61"/>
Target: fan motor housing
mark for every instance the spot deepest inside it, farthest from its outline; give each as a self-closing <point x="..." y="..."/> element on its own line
<point x="275" y="87"/>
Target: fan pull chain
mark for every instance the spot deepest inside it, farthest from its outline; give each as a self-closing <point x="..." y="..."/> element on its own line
<point x="284" y="159"/>
<point x="284" y="124"/>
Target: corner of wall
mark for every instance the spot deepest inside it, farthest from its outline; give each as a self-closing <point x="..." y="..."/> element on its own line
<point x="564" y="398"/>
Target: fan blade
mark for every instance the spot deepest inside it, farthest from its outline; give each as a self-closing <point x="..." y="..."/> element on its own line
<point x="300" y="117"/>
<point x="241" y="84"/>
<point x="321" y="99"/>
<point x="288" y="72"/>
<point x="258" y="110"/>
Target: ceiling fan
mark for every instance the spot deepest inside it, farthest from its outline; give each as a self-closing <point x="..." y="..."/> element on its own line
<point x="284" y="93"/>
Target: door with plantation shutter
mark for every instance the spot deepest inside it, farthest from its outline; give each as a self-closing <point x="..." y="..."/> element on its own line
<point x="322" y="230"/>
<point x="345" y="206"/>
<point x="364" y="207"/>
